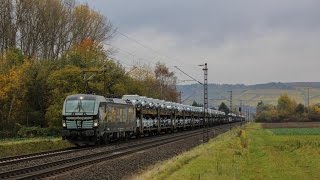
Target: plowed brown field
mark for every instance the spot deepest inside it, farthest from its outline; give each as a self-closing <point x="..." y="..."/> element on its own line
<point x="292" y="125"/>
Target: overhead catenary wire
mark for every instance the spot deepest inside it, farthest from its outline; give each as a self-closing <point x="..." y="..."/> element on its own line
<point x="154" y="51"/>
<point x="145" y="60"/>
<point x="145" y="46"/>
<point x="133" y="55"/>
<point x="188" y="75"/>
<point x="149" y="48"/>
<point x="153" y="63"/>
<point x="136" y="41"/>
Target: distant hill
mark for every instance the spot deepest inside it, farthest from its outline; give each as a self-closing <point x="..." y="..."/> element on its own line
<point x="251" y="94"/>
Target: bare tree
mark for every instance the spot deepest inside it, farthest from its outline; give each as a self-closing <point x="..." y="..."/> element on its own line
<point x="7" y="28"/>
<point x="47" y="28"/>
<point x="166" y="82"/>
<point x="90" y="24"/>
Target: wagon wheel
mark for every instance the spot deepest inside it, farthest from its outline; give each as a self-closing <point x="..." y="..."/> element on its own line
<point x="105" y="139"/>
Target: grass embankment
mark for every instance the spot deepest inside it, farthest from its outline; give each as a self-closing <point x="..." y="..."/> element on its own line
<point x="14" y="147"/>
<point x="249" y="153"/>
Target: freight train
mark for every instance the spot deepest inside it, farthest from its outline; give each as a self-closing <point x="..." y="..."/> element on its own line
<point x="93" y="119"/>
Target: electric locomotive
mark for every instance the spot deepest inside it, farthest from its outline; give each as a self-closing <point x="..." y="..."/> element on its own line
<point x="92" y="119"/>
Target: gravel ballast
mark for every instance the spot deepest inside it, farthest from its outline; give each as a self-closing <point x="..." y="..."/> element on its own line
<point x="126" y="166"/>
<point x="82" y="152"/>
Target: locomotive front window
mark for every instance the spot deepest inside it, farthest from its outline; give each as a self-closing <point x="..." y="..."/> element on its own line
<point x="84" y="105"/>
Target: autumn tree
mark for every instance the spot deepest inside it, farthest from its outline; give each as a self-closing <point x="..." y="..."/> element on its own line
<point x="9" y="58"/>
<point x="145" y="80"/>
<point x="87" y="23"/>
<point x="286" y="110"/>
<point x="261" y="107"/>
<point x="84" y="68"/>
<point x="45" y="29"/>
<point x="266" y="113"/>
<point x="53" y="48"/>
<point x="85" y="54"/>
<point x="166" y="82"/>
<point x="62" y="83"/>
<point x="7" y="26"/>
<point x="286" y="106"/>
<point x="45" y="48"/>
<point x="37" y="97"/>
<point x="142" y="80"/>
<point x="13" y="95"/>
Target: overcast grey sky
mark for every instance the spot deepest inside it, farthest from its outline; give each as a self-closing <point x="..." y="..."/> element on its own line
<point x="243" y="41"/>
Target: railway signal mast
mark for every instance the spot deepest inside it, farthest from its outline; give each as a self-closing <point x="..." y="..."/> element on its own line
<point x="240" y="107"/>
<point x="205" y="101"/>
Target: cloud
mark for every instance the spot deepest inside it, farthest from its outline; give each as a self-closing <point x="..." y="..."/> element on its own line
<point x="245" y="41"/>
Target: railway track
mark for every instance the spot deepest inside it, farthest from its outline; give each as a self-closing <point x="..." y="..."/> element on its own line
<point x="60" y="166"/>
<point x="28" y="157"/>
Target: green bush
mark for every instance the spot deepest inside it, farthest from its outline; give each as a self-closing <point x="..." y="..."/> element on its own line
<point x="268" y="116"/>
<point x="7" y="134"/>
<point x="25" y="132"/>
<point x="287" y="110"/>
<point x="16" y="147"/>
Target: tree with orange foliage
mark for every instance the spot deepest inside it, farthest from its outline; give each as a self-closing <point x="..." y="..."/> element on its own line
<point x="13" y="94"/>
<point x="166" y="81"/>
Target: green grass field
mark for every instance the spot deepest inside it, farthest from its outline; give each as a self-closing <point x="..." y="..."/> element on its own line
<point x="14" y="147"/>
<point x="249" y="153"/>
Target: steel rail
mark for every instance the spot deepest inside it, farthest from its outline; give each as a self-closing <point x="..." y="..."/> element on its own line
<point x="51" y="168"/>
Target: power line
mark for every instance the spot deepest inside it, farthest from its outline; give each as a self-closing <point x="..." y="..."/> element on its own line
<point x="148" y="61"/>
<point x="184" y="80"/>
<point x="182" y="101"/>
<point x="147" y="47"/>
<point x="133" y="55"/>
<point x="136" y="41"/>
<point x="188" y="75"/>
<point x="154" y="51"/>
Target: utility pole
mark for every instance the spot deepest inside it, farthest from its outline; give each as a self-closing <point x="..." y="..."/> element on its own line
<point x="104" y="80"/>
<point x="247" y="111"/>
<point x="205" y="96"/>
<point x="231" y="110"/>
<point x="308" y="100"/>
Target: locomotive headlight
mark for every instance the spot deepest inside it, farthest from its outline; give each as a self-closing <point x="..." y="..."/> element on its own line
<point x="64" y="124"/>
<point x="95" y="123"/>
